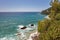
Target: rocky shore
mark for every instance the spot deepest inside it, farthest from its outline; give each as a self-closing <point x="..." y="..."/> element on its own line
<point x="46" y="11"/>
<point x="34" y="36"/>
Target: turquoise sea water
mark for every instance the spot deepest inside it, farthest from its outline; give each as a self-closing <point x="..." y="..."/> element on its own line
<point x="9" y="22"/>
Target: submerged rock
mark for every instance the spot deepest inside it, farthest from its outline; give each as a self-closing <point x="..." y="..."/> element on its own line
<point x="31" y="25"/>
<point x="22" y="27"/>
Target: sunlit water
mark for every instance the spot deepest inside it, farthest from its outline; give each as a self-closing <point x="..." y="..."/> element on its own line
<point x="9" y="22"/>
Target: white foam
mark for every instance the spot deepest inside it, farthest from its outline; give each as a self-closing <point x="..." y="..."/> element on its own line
<point x="20" y="26"/>
<point x="23" y="31"/>
<point x="6" y="38"/>
<point x="29" y="28"/>
<point x="47" y="17"/>
<point x="3" y="38"/>
<point x="21" y="36"/>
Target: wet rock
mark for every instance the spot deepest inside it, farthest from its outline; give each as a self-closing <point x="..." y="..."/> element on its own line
<point x="32" y="24"/>
<point x="34" y="36"/>
<point x="24" y="27"/>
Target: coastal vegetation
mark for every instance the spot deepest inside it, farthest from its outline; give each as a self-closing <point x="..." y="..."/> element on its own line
<point x="49" y="29"/>
<point x="46" y="11"/>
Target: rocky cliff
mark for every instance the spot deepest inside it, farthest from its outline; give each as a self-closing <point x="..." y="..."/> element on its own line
<point x="46" y="11"/>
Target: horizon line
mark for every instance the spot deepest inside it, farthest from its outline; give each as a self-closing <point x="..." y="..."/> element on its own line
<point x="31" y="11"/>
<point x="20" y="11"/>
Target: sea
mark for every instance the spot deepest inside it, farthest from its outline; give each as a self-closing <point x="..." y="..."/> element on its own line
<point x="9" y="22"/>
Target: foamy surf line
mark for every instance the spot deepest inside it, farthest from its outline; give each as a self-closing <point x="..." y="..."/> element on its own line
<point x="7" y="38"/>
<point x="27" y="28"/>
<point x="10" y="37"/>
<point x="25" y="33"/>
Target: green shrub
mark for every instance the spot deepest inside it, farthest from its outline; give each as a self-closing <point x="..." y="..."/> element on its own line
<point x="43" y="25"/>
<point x="50" y="29"/>
<point x="52" y="32"/>
<point x="57" y="17"/>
